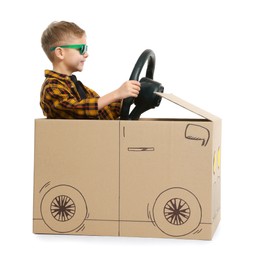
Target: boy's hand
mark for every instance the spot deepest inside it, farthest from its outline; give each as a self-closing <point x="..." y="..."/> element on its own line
<point x="129" y="88"/>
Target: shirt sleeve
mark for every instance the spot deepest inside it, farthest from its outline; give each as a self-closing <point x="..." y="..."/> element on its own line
<point x="111" y="111"/>
<point x="60" y="103"/>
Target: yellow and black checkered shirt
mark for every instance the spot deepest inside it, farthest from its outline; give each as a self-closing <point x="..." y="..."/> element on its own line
<point x="60" y="99"/>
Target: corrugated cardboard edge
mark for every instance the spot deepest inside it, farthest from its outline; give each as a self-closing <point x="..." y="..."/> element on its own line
<point x="188" y="106"/>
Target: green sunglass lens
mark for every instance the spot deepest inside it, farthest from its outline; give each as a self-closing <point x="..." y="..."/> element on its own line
<point x="83" y="49"/>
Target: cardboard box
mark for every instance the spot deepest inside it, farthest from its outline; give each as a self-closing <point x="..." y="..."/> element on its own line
<point x="146" y="178"/>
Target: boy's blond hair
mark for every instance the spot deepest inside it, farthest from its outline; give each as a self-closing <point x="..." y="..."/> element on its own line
<point x="58" y="33"/>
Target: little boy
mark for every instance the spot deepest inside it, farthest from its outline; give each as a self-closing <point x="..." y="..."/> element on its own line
<point x="62" y="95"/>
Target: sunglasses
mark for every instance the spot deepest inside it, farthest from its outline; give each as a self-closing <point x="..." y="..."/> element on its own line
<point x="81" y="47"/>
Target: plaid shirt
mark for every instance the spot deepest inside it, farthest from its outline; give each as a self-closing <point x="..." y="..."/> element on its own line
<point x="60" y="100"/>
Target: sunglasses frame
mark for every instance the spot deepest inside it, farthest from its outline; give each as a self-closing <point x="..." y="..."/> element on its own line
<point x="81" y="47"/>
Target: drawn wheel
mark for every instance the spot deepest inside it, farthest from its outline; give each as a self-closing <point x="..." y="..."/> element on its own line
<point x="177" y="212"/>
<point x="63" y="209"/>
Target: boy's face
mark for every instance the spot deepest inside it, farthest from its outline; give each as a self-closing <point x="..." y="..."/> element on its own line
<point x="72" y="60"/>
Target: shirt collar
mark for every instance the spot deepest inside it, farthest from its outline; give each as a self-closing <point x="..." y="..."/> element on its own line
<point x="54" y="74"/>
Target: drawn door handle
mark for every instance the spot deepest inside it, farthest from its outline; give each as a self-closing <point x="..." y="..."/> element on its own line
<point x="141" y="149"/>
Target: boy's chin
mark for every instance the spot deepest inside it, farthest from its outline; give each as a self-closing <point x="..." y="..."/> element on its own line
<point x="80" y="68"/>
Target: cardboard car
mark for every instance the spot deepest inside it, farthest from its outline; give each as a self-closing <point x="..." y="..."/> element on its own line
<point x="147" y="178"/>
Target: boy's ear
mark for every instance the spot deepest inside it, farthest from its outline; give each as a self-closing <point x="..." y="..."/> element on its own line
<point x="59" y="52"/>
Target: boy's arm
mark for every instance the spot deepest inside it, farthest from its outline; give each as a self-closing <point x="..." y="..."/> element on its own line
<point x="130" y="88"/>
<point x="58" y="102"/>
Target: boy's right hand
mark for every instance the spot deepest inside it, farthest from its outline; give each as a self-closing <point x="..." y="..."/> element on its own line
<point x="129" y="88"/>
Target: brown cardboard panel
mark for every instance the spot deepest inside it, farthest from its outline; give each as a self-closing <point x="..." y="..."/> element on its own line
<point x="188" y="106"/>
<point x="173" y="171"/>
<point x="148" y="178"/>
<point x="74" y="169"/>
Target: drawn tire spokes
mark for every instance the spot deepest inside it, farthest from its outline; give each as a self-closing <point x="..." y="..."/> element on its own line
<point x="62" y="208"/>
<point x="176" y="211"/>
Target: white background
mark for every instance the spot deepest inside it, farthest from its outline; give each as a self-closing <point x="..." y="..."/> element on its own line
<point x="204" y="54"/>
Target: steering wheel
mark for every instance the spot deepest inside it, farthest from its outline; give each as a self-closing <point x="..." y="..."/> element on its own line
<point x="147" y="98"/>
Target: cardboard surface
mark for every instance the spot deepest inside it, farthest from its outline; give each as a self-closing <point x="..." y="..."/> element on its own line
<point x="147" y="178"/>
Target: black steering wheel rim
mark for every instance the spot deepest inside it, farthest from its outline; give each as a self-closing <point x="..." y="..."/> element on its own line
<point x="147" y="56"/>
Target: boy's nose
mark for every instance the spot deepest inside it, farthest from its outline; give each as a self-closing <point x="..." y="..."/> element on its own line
<point x="86" y="55"/>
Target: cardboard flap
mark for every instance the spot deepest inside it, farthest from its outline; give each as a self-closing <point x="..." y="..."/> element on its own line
<point x="188" y="106"/>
